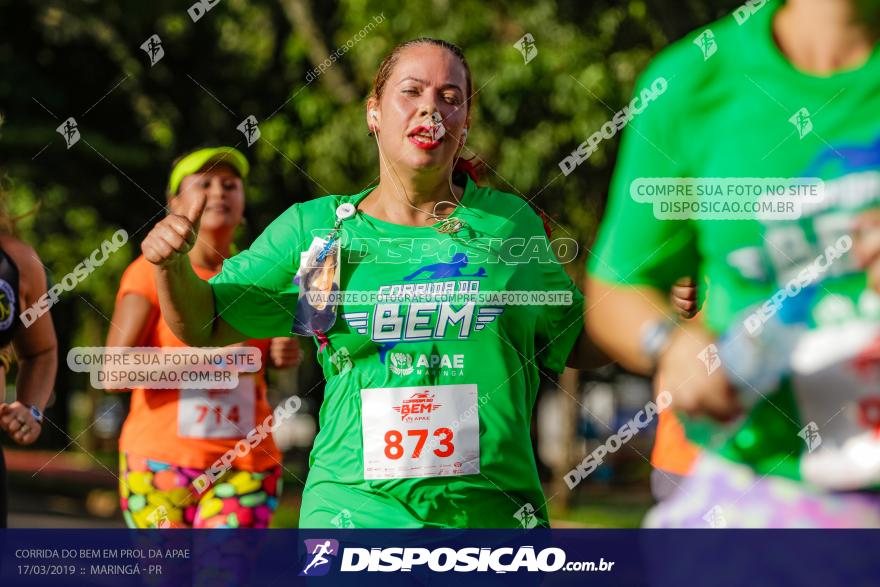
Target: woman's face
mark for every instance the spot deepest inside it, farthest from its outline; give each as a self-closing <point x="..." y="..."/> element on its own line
<point x="425" y="80"/>
<point x="224" y="190"/>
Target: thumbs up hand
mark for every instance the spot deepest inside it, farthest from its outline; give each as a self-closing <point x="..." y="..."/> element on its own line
<point x="174" y="236"/>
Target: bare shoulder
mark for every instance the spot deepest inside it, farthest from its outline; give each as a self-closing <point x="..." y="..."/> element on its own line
<point x="32" y="276"/>
<point x="19" y="250"/>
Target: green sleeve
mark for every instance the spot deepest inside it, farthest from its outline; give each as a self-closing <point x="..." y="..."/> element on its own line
<point x="633" y="247"/>
<point x="558" y="326"/>
<point x="254" y="291"/>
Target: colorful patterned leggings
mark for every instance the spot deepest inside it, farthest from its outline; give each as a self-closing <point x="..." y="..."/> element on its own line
<point x="161" y="495"/>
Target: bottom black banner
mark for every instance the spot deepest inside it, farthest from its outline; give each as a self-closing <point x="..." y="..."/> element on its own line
<point x="264" y="558"/>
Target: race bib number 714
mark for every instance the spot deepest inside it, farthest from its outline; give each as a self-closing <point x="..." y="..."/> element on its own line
<point x="218" y="413"/>
<point x="427" y="431"/>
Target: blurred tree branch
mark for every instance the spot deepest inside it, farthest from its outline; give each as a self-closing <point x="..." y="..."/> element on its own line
<point x="301" y="18"/>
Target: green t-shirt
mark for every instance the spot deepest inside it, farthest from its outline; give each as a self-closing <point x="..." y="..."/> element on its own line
<point x="427" y="409"/>
<point x="734" y="107"/>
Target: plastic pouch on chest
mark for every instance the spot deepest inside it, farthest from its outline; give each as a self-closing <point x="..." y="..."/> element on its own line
<point x="318" y="279"/>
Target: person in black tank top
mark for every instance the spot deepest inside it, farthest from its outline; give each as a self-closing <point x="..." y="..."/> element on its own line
<point x="9" y="306"/>
<point x="9" y="311"/>
<point x="22" y="284"/>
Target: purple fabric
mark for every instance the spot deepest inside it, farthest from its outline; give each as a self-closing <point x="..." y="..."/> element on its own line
<point x="723" y="494"/>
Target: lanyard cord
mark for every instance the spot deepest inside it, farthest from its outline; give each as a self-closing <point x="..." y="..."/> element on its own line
<point x="448" y="224"/>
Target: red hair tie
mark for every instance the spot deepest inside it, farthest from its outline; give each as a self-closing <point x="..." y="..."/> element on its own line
<point x="465" y="166"/>
<point x="546" y="220"/>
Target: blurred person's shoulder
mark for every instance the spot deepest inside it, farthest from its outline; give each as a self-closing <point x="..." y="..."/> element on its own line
<point x="720" y="51"/>
<point x="139" y="270"/>
<point x="139" y="278"/>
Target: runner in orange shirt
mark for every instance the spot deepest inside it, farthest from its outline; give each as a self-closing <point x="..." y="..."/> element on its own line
<point x="167" y="441"/>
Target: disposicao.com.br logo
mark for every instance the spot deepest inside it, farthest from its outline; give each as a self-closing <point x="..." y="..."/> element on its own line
<point x="442" y="559"/>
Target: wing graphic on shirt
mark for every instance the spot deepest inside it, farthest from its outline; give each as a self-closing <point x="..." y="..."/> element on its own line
<point x="357" y="320"/>
<point x="486" y="315"/>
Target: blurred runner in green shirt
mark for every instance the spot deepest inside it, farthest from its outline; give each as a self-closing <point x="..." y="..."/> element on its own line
<point x="772" y="91"/>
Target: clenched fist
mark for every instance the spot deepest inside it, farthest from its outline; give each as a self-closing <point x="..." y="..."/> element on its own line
<point x="16" y="420"/>
<point x="284" y="352"/>
<point x="694" y="390"/>
<point x="174" y="236"/>
<point x="684" y="297"/>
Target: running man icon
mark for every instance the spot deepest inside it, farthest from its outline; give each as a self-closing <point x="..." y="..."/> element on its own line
<point x="318" y="561"/>
<point x="69" y="130"/>
<point x="444" y="270"/>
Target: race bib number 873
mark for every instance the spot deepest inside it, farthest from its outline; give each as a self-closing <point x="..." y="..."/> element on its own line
<point x="427" y="431"/>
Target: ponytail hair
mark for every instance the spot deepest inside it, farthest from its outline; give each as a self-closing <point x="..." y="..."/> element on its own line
<point x="469" y="168"/>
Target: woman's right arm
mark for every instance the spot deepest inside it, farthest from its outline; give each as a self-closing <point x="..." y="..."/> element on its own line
<point x="186" y="301"/>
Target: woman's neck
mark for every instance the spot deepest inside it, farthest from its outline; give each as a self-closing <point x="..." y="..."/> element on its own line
<point x="822" y="36"/>
<point x="211" y="249"/>
<point x="412" y="200"/>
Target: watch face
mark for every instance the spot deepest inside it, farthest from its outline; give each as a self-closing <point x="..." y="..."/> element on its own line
<point x="37" y="414"/>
